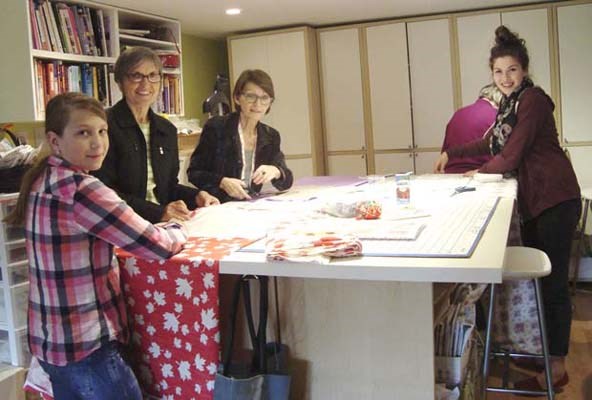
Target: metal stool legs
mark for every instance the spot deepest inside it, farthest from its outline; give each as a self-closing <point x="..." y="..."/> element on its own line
<point x="578" y="257"/>
<point x="488" y="353"/>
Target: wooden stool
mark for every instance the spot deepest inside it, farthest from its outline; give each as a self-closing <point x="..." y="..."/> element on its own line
<point x="521" y="263"/>
<point x="587" y="197"/>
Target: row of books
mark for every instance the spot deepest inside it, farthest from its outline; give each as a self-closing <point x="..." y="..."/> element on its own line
<point x="169" y="102"/>
<point x="74" y="29"/>
<point x="55" y="77"/>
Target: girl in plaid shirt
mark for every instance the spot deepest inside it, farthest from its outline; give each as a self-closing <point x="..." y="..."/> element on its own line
<point x="76" y="317"/>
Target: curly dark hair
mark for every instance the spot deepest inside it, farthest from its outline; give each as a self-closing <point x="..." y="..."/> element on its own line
<point x="508" y="43"/>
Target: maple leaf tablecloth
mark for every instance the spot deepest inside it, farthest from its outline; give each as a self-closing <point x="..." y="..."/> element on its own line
<point x="173" y="312"/>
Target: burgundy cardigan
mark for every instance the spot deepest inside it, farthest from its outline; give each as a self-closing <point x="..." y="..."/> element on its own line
<point x="545" y="175"/>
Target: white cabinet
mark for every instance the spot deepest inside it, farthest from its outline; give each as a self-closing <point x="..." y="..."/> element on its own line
<point x="14" y="289"/>
<point x="532" y="26"/>
<point x="476" y="34"/>
<point x="347" y="164"/>
<point x="575" y="63"/>
<point x="431" y="80"/>
<point x="289" y="57"/>
<point x="476" y="37"/>
<point x="44" y="60"/>
<point x="388" y="77"/>
<point x="385" y="93"/>
<point x="341" y="82"/>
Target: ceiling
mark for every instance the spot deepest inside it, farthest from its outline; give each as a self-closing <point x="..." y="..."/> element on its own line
<point x="206" y="18"/>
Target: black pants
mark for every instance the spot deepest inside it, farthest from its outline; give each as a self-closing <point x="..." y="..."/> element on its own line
<point x="552" y="232"/>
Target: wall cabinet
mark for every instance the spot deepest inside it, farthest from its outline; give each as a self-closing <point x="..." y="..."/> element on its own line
<point x="575" y="63"/>
<point x="431" y="80"/>
<point x="290" y="58"/>
<point x="385" y="94"/>
<point x="50" y="53"/>
<point x="476" y="36"/>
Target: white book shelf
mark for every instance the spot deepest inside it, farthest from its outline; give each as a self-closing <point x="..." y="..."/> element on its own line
<point x="21" y="83"/>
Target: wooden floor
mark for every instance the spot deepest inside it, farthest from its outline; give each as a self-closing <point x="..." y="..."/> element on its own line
<point x="579" y="360"/>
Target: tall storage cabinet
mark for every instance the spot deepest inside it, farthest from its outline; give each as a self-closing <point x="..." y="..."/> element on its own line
<point x="386" y="97"/>
<point x="290" y="58"/>
<point x="575" y="60"/>
<point x="46" y="55"/>
<point x="476" y="36"/>
<point x="14" y="289"/>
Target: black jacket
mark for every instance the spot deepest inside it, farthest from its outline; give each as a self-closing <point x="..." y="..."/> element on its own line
<point x="219" y="155"/>
<point x="125" y="167"/>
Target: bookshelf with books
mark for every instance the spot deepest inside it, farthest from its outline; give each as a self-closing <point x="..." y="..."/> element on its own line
<point x="57" y="46"/>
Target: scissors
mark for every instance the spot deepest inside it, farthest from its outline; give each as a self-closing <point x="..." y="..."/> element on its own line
<point x="462" y="189"/>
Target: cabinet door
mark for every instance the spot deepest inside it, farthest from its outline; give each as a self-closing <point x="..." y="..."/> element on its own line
<point x="390" y="100"/>
<point x="300" y="167"/>
<point x="575" y="63"/>
<point x="424" y="162"/>
<point x="290" y="109"/>
<point x="248" y="53"/>
<point x="393" y="163"/>
<point x="283" y="57"/>
<point x="580" y="159"/>
<point x="431" y="80"/>
<point x="341" y="79"/>
<point x="348" y="165"/>
<point x="532" y="26"/>
<point x="476" y="36"/>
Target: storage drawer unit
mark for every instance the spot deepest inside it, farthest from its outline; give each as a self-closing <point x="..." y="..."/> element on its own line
<point x="20" y="357"/>
<point x="19" y="297"/>
<point x="14" y="288"/>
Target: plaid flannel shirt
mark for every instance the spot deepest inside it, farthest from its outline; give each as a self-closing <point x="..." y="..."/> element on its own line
<point x="75" y="300"/>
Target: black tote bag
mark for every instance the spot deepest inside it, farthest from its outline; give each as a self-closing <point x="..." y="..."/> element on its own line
<point x="266" y="376"/>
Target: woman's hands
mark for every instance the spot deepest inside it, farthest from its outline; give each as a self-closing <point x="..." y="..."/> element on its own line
<point x="265" y="173"/>
<point x="176" y="210"/>
<point x="204" y="199"/>
<point x="235" y="188"/>
<point x="441" y="163"/>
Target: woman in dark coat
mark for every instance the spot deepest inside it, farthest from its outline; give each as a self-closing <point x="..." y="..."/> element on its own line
<point x="237" y="153"/>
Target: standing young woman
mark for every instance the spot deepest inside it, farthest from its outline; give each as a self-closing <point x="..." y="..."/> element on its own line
<point x="524" y="141"/>
<point x="238" y="153"/>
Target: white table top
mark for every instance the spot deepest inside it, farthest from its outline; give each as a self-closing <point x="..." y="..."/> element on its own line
<point x="484" y="265"/>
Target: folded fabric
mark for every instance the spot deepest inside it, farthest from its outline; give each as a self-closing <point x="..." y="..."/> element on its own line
<point x="302" y="246"/>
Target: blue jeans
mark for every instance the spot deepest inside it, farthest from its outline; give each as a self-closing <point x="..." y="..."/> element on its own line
<point x="103" y="375"/>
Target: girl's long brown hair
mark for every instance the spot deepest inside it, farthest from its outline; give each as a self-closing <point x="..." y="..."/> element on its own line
<point x="57" y="116"/>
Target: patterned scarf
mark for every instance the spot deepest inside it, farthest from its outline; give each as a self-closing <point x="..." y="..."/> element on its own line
<point x="506" y="118"/>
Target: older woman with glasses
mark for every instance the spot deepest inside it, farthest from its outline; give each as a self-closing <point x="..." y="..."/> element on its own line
<point x="142" y="163"/>
<point x="237" y="153"/>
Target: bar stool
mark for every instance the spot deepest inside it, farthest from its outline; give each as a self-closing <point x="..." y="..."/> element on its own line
<point x="587" y="197"/>
<point x="521" y="263"/>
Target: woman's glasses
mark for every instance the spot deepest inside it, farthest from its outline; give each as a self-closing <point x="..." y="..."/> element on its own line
<point x="137" y="77"/>
<point x="252" y="98"/>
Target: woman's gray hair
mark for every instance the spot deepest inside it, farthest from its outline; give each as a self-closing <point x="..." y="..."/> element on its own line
<point x="133" y="56"/>
<point x="491" y="93"/>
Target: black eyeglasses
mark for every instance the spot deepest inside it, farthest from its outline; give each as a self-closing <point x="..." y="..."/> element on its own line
<point x="137" y="77"/>
<point x="252" y="98"/>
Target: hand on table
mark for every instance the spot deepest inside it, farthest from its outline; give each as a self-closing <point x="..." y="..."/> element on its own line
<point x="441" y="163"/>
<point x="471" y="173"/>
<point x="235" y="188"/>
<point x="204" y="199"/>
<point x="264" y="174"/>
<point x="176" y="210"/>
